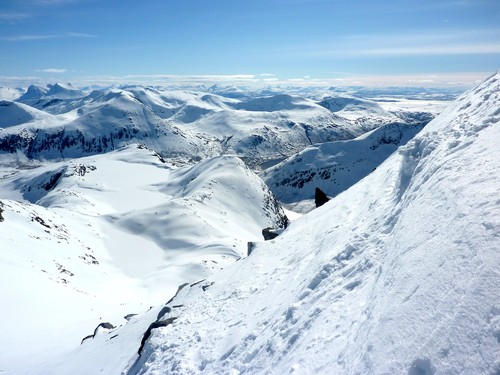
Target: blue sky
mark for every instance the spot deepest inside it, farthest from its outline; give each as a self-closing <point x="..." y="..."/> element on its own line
<point x="322" y="41"/>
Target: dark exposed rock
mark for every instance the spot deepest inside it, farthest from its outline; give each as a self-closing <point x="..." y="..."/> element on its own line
<point x="53" y="181"/>
<point x="157" y="324"/>
<point x="269" y="233"/>
<point x="198" y="282"/>
<point x="105" y="325"/>
<point x="81" y="170"/>
<point x="320" y="198"/>
<point x="1" y="211"/>
<point x="163" y="311"/>
<point x="250" y="247"/>
<point x="129" y="316"/>
<point x="205" y="287"/>
<point x="38" y="219"/>
<point x="87" y="337"/>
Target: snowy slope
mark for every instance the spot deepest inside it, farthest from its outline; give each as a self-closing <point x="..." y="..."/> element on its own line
<point x="7" y="93"/>
<point x="12" y="113"/>
<point x="398" y="274"/>
<point x="93" y="239"/>
<point x="335" y="166"/>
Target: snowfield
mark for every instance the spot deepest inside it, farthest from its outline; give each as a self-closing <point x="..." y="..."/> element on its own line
<point x="121" y="260"/>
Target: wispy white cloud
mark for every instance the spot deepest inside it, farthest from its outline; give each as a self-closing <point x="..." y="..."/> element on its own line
<point x="14" y="16"/>
<point x="249" y="80"/>
<point x="57" y="2"/>
<point x="196" y="78"/>
<point x="407" y="80"/>
<point x="22" y="38"/>
<point x="437" y="42"/>
<point x="52" y="70"/>
<point x="465" y="49"/>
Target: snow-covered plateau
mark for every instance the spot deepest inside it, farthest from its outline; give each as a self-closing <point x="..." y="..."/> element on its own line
<point x="127" y="216"/>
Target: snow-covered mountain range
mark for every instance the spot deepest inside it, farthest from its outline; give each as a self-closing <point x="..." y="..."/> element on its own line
<point x="127" y="215"/>
<point x="60" y="121"/>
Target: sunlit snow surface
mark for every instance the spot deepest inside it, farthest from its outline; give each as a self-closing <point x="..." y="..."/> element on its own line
<point x="399" y="274"/>
<point x="94" y="239"/>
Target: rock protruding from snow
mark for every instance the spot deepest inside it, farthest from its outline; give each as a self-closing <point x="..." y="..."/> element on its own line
<point x="320" y="198"/>
<point x="157" y="324"/>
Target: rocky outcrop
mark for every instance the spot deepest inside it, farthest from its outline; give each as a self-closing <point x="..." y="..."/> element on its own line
<point x="269" y="233"/>
<point x="320" y="198"/>
<point x="104" y="325"/>
<point x="157" y="324"/>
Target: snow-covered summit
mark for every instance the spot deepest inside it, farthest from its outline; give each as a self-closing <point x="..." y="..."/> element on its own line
<point x="63" y="91"/>
<point x="33" y="92"/>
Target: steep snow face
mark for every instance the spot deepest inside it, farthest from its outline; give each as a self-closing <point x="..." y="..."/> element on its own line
<point x="335" y="166"/>
<point x="93" y="239"/>
<point x="399" y="274"/>
<point x="33" y="93"/>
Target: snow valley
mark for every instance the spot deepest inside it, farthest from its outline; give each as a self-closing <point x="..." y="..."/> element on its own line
<point x="127" y="213"/>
